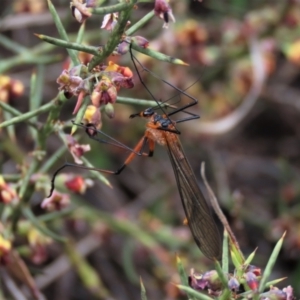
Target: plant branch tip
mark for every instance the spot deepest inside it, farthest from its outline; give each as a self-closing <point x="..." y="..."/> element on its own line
<point x="40" y="36"/>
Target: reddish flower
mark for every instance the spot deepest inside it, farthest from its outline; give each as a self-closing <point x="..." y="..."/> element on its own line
<point x="140" y="41"/>
<point x="5" y="247"/>
<point x="85" y="57"/>
<point x="121" y="81"/>
<point x="10" y="88"/>
<point x="277" y="294"/>
<point x="125" y="71"/>
<point x="72" y="82"/>
<point x="119" y="76"/>
<point x="163" y="10"/>
<point x="56" y="201"/>
<point x="68" y="83"/>
<point x="255" y="270"/>
<point x="39" y="254"/>
<point x="289" y="293"/>
<point x="104" y="92"/>
<point x="30" y="7"/>
<point x="208" y="281"/>
<point x="252" y="281"/>
<point x="110" y="21"/>
<point x="80" y="11"/>
<point x="92" y="116"/>
<point x="77" y="184"/>
<point x="38" y="243"/>
<point x="123" y="48"/>
<point x="76" y="149"/>
<point x="7" y="194"/>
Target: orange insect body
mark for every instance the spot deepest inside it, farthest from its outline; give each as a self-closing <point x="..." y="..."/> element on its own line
<point x="161" y="130"/>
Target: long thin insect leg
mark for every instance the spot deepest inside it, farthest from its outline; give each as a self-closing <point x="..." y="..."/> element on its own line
<point x="110" y="140"/>
<point x="193" y="117"/>
<point x="180" y="109"/>
<point x="194" y="100"/>
<point x="138" y="150"/>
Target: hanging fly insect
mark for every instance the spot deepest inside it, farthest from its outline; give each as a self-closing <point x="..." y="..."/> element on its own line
<point x="162" y="130"/>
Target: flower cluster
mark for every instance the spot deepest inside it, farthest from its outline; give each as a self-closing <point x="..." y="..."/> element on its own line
<point x="212" y="284"/>
<point x="101" y="85"/>
<point x="82" y="10"/>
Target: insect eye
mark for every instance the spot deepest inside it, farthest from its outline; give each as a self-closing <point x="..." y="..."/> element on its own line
<point x="164" y="124"/>
<point x="148" y="112"/>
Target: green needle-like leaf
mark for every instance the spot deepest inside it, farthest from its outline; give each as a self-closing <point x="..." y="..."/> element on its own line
<point x="270" y="264"/>
<point x="195" y="294"/>
<point x="143" y="290"/>
<point x="62" y="32"/>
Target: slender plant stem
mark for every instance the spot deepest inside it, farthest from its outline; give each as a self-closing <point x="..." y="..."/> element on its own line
<point x="111" y="9"/>
<point x="115" y="37"/>
<point x="140" y="23"/>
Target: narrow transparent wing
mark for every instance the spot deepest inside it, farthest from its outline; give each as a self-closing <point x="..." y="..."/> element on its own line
<point x="200" y="220"/>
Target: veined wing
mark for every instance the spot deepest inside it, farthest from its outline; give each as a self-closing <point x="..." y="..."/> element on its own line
<point x="200" y="220"/>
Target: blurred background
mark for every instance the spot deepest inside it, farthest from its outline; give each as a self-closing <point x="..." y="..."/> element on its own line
<point x="244" y="59"/>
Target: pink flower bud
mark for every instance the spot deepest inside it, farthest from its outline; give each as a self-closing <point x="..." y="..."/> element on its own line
<point x="140" y="41"/>
<point x="109" y="110"/>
